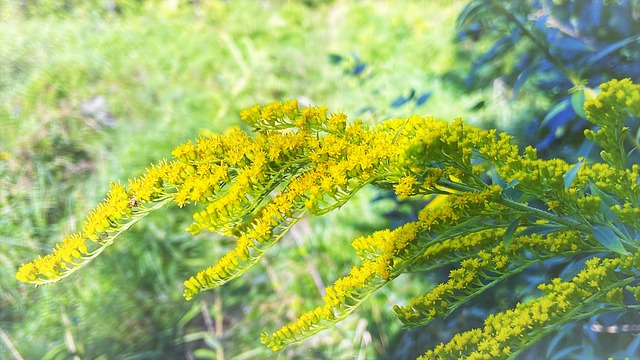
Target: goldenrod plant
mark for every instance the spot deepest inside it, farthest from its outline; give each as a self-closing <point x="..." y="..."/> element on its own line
<point x="256" y="186"/>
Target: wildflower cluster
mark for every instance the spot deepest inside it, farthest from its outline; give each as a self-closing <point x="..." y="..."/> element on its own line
<point x="255" y="187"/>
<point x="609" y="111"/>
<point x="482" y="266"/>
<point x="503" y="333"/>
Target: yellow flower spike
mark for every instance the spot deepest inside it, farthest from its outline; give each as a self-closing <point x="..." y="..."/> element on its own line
<point x="27" y="273"/>
<point x="405" y="187"/>
<point x="508" y="326"/>
<point x="290" y="109"/>
<point x="338" y="122"/>
<point x="257" y="187"/>
<point x="250" y="115"/>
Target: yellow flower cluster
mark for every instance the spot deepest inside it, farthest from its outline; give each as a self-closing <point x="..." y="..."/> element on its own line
<point x="462" y="206"/>
<point x="104" y="223"/>
<point x="405" y="187"/>
<point x="317" y="161"/>
<point x="53" y="265"/>
<point x="344" y="296"/>
<point x="609" y="110"/>
<point x="320" y="165"/>
<point x="545" y="179"/>
<point x="255" y="188"/>
<point x="481" y="269"/>
<point x="535" y="175"/>
<point x="387" y="242"/>
<point x="503" y="332"/>
<point x="384" y="255"/>
<point x="461" y="246"/>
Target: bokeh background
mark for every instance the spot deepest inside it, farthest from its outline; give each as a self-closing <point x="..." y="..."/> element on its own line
<point x="95" y="91"/>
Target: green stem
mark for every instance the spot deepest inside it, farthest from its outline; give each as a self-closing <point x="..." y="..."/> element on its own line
<point x="569" y="223"/>
<point x="526" y="209"/>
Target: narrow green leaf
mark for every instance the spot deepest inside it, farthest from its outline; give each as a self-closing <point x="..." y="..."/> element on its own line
<point x="555" y="111"/>
<point x="56" y="352"/>
<point x="511" y="193"/>
<point x="629" y="163"/>
<point x="469" y="12"/>
<point x="606" y="202"/>
<point x="577" y="103"/>
<point x="607" y="238"/>
<point x="610" y="49"/>
<point x="496" y="178"/>
<point x="563" y="353"/>
<point x="571" y="173"/>
<point x="573" y="268"/>
<point x="512" y="183"/>
<point x="194" y="311"/>
<point x="604" y="197"/>
<point x="508" y="234"/>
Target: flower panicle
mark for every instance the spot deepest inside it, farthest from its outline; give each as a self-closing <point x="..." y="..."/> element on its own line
<point x="504" y="333"/>
<point x="341" y="299"/>
<point x="481" y="269"/>
<point x="303" y="159"/>
<point x="110" y="218"/>
<point x="608" y="110"/>
<point x="386" y="261"/>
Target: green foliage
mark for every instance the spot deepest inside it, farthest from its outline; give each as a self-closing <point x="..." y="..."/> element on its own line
<point x="305" y="160"/>
<point x="561" y="50"/>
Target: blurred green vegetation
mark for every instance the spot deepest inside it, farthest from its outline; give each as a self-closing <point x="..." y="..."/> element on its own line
<point x="94" y="91"/>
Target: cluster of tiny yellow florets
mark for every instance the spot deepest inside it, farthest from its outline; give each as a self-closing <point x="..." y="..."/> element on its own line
<point x="480" y="268"/>
<point x="99" y="229"/>
<point x="340" y="300"/>
<point x="319" y="165"/>
<point x="461" y="246"/>
<point x="458" y="207"/>
<point x="255" y="188"/>
<point x="609" y="110"/>
<point x="503" y="332"/>
<point x="384" y="255"/>
<point x="546" y="180"/>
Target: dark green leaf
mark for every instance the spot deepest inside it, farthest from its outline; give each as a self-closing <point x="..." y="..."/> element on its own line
<point x="611" y="48"/>
<point x="607" y="238"/>
<point x="573" y="268"/>
<point x="522" y="78"/>
<point x="606" y="202"/>
<point x="559" y="107"/>
<point x="508" y="234"/>
<point x="512" y="183"/>
<point x="571" y="173"/>
<point x="496" y="178"/>
<point x="335" y="58"/>
<point x="577" y="103"/>
<point x="604" y="197"/>
<point x="563" y="353"/>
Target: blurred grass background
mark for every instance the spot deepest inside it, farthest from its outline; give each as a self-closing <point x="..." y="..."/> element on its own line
<point x="95" y="91"/>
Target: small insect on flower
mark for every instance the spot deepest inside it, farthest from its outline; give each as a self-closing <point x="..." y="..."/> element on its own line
<point x="133" y="202"/>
